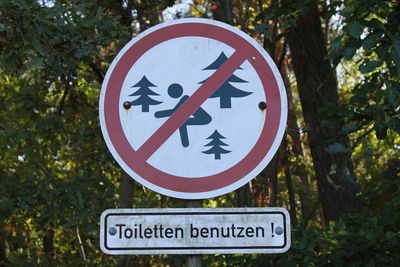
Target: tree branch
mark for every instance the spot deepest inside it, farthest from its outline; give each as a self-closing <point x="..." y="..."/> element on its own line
<point x="99" y="73"/>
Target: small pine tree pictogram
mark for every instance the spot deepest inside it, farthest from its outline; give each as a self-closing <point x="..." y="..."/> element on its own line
<point x="216" y="145"/>
<point x="144" y="92"/>
<point x="226" y="91"/>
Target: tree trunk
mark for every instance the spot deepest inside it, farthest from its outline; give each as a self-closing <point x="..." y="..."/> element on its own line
<point x="278" y="49"/>
<point x="272" y="169"/>
<point x="317" y="87"/>
<point x="289" y="183"/>
<point x="267" y="189"/>
<point x="244" y="197"/>
<point x="222" y="11"/>
<point x="294" y="132"/>
<point x="3" y="248"/>
<point x="48" y="248"/>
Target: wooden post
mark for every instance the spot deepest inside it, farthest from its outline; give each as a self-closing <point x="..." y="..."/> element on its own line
<point x="194" y="260"/>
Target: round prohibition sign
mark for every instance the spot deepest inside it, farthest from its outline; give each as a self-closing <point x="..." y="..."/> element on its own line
<point x="136" y="161"/>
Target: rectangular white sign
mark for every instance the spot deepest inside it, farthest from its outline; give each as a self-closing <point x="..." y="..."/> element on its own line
<point x="195" y="231"/>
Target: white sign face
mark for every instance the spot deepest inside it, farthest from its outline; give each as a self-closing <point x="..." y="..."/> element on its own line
<point x="240" y="119"/>
<point x="180" y="108"/>
<point x="195" y="231"/>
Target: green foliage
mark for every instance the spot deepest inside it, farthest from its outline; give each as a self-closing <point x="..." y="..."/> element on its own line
<point x="51" y="143"/>
<point x="56" y="172"/>
<point x="368" y="239"/>
<point x="336" y="148"/>
<point x="371" y="30"/>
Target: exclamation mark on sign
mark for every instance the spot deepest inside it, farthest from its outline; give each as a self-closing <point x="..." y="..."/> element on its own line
<point x="272" y="229"/>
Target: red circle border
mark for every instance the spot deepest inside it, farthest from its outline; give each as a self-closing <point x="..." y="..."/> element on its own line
<point x="178" y="183"/>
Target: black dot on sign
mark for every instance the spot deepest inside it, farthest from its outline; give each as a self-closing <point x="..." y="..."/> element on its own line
<point x="127" y="105"/>
<point x="262" y="105"/>
<point x="112" y="231"/>
<point x="278" y="230"/>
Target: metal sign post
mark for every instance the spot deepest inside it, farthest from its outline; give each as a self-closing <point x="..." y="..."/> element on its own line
<point x="194" y="260"/>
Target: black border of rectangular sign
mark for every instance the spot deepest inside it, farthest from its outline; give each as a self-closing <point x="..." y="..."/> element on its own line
<point x="195" y="213"/>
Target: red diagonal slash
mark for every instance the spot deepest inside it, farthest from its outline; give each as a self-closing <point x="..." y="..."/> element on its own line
<point x="192" y="104"/>
<point x="136" y="162"/>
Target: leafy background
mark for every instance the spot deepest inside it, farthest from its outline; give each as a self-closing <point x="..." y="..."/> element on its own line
<point x="57" y="175"/>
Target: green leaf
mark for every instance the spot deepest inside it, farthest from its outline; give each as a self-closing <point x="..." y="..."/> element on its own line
<point x="350" y="128"/>
<point x="261" y="28"/>
<point x="336" y="148"/>
<point x="396" y="52"/>
<point x="80" y="199"/>
<point x="355" y="29"/>
<point x="349" y="52"/>
<point x="35" y="62"/>
<point x="369" y="66"/>
<point x="375" y="24"/>
<point x="330" y="123"/>
<point x="330" y="181"/>
<point x="394" y="124"/>
<point x="348" y="10"/>
<point x="9" y="62"/>
<point x="336" y="44"/>
<point x="39" y="47"/>
<point x="371" y="41"/>
<point x="368" y="153"/>
<point x="7" y="132"/>
<point x="348" y="176"/>
<point x="380" y="129"/>
<point x="332" y="169"/>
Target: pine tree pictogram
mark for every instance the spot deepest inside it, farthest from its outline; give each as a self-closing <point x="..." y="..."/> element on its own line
<point x="226" y="91"/>
<point x="144" y="92"/>
<point x="216" y="145"/>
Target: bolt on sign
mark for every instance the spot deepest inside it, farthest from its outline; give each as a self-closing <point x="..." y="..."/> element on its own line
<point x="193" y="108"/>
<point x="195" y="231"/>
